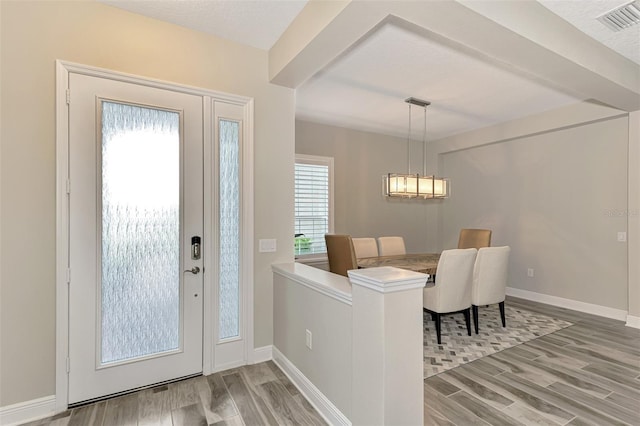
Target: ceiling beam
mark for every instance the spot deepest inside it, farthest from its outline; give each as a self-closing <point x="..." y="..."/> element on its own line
<point x="521" y="36"/>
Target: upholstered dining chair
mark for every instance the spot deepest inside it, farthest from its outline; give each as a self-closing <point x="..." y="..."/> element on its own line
<point x="452" y="291"/>
<point x="389" y="246"/>
<point x="474" y="238"/>
<point x="490" y="280"/>
<point x="342" y="256"/>
<point x="365" y="247"/>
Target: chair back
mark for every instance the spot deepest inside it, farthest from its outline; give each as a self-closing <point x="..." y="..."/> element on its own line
<point x="341" y="254"/>
<point x="474" y="238"/>
<point x="365" y="247"/>
<point x="490" y="275"/>
<point x="389" y="246"/>
<point x="452" y="291"/>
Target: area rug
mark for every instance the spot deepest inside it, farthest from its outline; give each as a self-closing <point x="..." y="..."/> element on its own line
<point x="458" y="348"/>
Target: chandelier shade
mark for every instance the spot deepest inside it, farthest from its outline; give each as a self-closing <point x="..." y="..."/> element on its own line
<point x="409" y="185"/>
<point x="416" y="186"/>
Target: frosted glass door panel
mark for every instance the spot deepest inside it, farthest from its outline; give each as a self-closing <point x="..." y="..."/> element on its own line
<point x="136" y="184"/>
<point x="140" y="264"/>
<point x="229" y="228"/>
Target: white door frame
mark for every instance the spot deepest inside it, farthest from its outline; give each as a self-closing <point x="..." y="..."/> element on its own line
<point x="63" y="68"/>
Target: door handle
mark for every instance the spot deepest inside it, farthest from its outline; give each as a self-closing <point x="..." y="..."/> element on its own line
<point x="193" y="270"/>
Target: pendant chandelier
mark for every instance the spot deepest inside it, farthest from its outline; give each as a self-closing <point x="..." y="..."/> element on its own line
<point x="416" y="185"/>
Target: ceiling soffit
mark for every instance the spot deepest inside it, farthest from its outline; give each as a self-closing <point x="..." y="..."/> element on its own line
<point x="541" y="45"/>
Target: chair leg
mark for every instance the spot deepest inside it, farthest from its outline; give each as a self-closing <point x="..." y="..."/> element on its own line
<point x="433" y="316"/>
<point x="467" y="318"/>
<point x="437" y="320"/>
<point x="504" y="322"/>
<point x="475" y="317"/>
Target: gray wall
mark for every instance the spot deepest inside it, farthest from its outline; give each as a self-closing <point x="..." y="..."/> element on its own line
<point x="35" y="34"/>
<point x="552" y="186"/>
<point x="554" y="198"/>
<point x="360" y="161"/>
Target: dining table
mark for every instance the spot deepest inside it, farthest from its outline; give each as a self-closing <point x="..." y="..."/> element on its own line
<point x="426" y="263"/>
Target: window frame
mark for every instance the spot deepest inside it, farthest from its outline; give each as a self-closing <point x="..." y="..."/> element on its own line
<point x="317" y="160"/>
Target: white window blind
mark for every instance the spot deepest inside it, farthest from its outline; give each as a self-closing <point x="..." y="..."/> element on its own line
<point x="313" y="203"/>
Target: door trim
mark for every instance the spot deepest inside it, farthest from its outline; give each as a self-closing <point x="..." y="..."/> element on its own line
<point x="63" y="68"/>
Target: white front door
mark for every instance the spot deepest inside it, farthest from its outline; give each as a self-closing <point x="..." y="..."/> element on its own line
<point x="135" y="208"/>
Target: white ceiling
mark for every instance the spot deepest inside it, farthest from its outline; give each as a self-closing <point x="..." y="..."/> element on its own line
<point x="365" y="87"/>
<point x="582" y="14"/>
<point x="257" y="23"/>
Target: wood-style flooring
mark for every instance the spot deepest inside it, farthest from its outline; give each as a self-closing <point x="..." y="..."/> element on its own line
<point x="585" y="374"/>
<point x="257" y="394"/>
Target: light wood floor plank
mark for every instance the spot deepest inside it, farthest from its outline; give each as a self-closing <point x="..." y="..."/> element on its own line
<point x="602" y="405"/>
<point x="477" y="389"/>
<point x="285" y="409"/>
<point x="60" y="419"/>
<point x="587" y="354"/>
<point x="624" y="401"/>
<point x="313" y="415"/>
<point x="556" y="354"/>
<point x="434" y="418"/>
<point x="154" y="407"/>
<point x="610" y="373"/>
<point x="483" y="411"/>
<point x="122" y="411"/>
<point x="441" y="386"/>
<point x="232" y="421"/>
<point x="89" y="415"/>
<point x="527" y="416"/>
<point x="582" y="336"/>
<point x="238" y="389"/>
<point x="561" y="374"/>
<point x="561" y="401"/>
<point x="192" y="415"/>
<point x="283" y="378"/>
<point x="217" y="402"/>
<point x="184" y="393"/>
<point x="449" y="409"/>
<point x="502" y="385"/>
<point x="532" y="374"/>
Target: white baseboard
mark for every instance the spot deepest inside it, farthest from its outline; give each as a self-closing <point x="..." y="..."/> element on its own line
<point x="26" y="411"/>
<point x="320" y="402"/>
<point x="633" y="321"/>
<point x="263" y="354"/>
<point x="589" y="308"/>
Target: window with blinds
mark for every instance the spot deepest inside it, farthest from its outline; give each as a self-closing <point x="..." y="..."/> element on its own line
<point x="313" y="203"/>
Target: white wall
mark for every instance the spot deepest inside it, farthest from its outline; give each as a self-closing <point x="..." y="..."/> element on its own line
<point x="33" y="35"/>
<point x="328" y="365"/>
<point x="633" y="216"/>
<point x="361" y="159"/>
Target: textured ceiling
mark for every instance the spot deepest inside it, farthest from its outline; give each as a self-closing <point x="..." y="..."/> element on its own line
<point x="257" y="23"/>
<point x="367" y="87"/>
<point x="364" y="88"/>
<point x="582" y="14"/>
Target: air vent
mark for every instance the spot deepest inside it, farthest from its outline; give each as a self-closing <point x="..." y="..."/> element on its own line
<point x="622" y="17"/>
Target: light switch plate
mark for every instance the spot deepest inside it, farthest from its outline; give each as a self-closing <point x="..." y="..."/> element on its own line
<point x="622" y="237"/>
<point x="267" y="245"/>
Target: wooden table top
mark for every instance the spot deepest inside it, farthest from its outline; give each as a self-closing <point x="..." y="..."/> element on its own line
<point x="427" y="263"/>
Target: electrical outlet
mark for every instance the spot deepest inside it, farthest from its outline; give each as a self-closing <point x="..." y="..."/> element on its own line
<point x="530" y="272"/>
<point x="622" y="237"/>
<point x="309" y="340"/>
